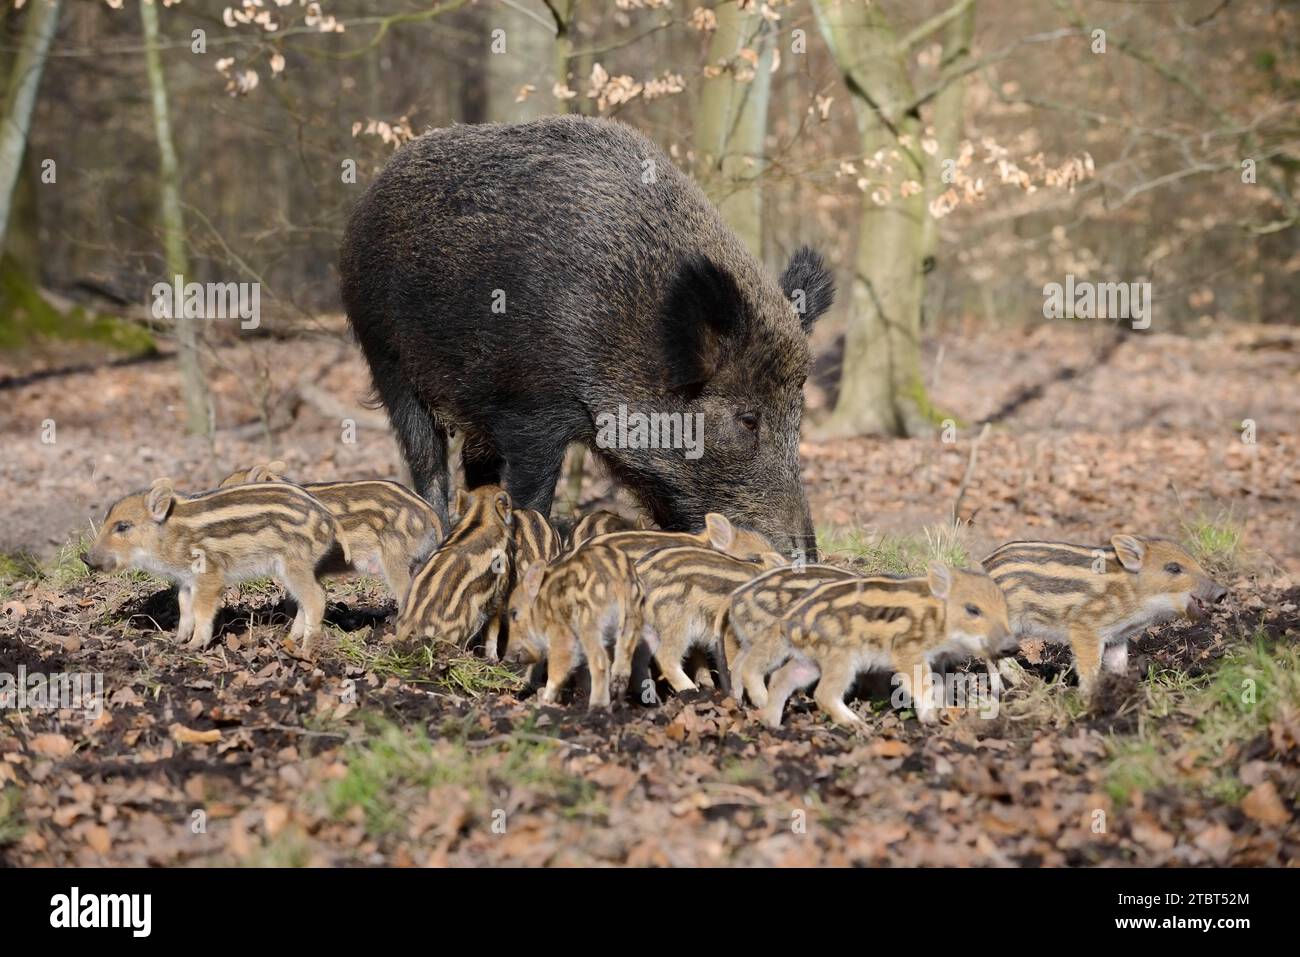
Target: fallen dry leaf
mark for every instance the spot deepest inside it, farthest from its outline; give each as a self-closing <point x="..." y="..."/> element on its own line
<point x="186" y="735"/>
<point x="52" y="745"/>
<point x="1264" y="805"/>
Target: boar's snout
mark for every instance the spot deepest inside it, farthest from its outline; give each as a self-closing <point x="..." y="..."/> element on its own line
<point x="92" y="560"/>
<point x="802" y="537"/>
<point x="793" y="542"/>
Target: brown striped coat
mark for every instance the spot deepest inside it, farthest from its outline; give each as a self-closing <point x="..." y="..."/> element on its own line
<point x="843" y="628"/>
<point x="206" y="542"/>
<point x="579" y="608"/>
<point x="1094" y="598"/>
<point x="686" y="588"/>
<point x="753" y="613"/>
<point x="386" y="526"/>
<point x="459" y="590"/>
<point x="718" y="533"/>
<point x="600" y="522"/>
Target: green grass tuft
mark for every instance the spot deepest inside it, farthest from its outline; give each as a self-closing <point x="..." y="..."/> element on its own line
<point x="875" y="553"/>
<point x="67" y="568"/>
<point x="393" y="771"/>
<point x="11" y="822"/>
<point x="1207" y="719"/>
<point x="1215" y="542"/>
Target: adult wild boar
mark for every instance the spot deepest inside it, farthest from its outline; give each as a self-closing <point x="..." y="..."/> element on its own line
<point x="531" y="284"/>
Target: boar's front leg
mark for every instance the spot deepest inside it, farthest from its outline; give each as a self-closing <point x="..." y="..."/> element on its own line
<point x="423" y="440"/>
<point x="531" y="472"/>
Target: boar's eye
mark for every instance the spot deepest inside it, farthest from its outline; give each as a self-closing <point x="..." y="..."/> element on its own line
<point x="122" y="528"/>
<point x="973" y="611"/>
<point x="1174" y="568"/>
<point x="749" y="420"/>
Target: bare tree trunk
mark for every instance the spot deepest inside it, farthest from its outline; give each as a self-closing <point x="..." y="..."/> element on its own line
<point x="731" y="120"/>
<point x="881" y="387"/>
<point x="947" y="115"/>
<point x="20" y="98"/>
<point x="194" y="387"/>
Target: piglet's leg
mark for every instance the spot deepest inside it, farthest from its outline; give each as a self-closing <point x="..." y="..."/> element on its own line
<point x="794" y="674"/>
<point x="627" y="629"/>
<point x="1087" y="658"/>
<point x="559" y="665"/>
<point x="396" y="572"/>
<point x="206" y="599"/>
<point x="310" y="596"/>
<point x="185" y="598"/>
<point x="669" y="654"/>
<point x="914" y="674"/>
<point x="491" y="637"/>
<point x="598" y="664"/>
<point x="837" y="677"/>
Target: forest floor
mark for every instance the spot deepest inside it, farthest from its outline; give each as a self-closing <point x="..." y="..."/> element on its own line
<point x="244" y="754"/>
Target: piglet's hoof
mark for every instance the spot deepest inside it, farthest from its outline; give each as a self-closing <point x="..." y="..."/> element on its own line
<point x="302" y="652"/>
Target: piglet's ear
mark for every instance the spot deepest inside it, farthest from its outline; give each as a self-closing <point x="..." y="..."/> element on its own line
<point x="460" y="506"/>
<point x="501" y="502"/>
<point x="702" y="309"/>
<point x="1129" y="550"/>
<point x="940" y="576"/>
<point x="721" y="532"/>
<point x="809" y="286"/>
<point x="160" y="499"/>
<point x="267" y="472"/>
<point x="533" y="579"/>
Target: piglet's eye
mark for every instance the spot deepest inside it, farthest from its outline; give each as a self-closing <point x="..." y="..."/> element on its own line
<point x="1174" y="568"/>
<point x="973" y="611"/>
<point x="122" y="527"/>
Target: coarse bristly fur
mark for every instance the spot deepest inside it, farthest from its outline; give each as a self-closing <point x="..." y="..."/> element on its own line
<point x="572" y="611"/>
<point x="384" y="524"/>
<point x="905" y="625"/>
<point x="208" y="541"/>
<point x="459" y="590"/>
<point x="1094" y="598"/>
<point x="519" y="282"/>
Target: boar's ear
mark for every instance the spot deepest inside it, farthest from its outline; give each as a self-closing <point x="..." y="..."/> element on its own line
<point x="703" y="308"/>
<point x="501" y="502"/>
<point x="721" y="532"/>
<point x="808" y="284"/>
<point x="940" y="576"/>
<point x="1129" y="550"/>
<point x="160" y="499"/>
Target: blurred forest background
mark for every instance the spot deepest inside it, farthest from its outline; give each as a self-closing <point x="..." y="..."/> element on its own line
<point x="950" y="158"/>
